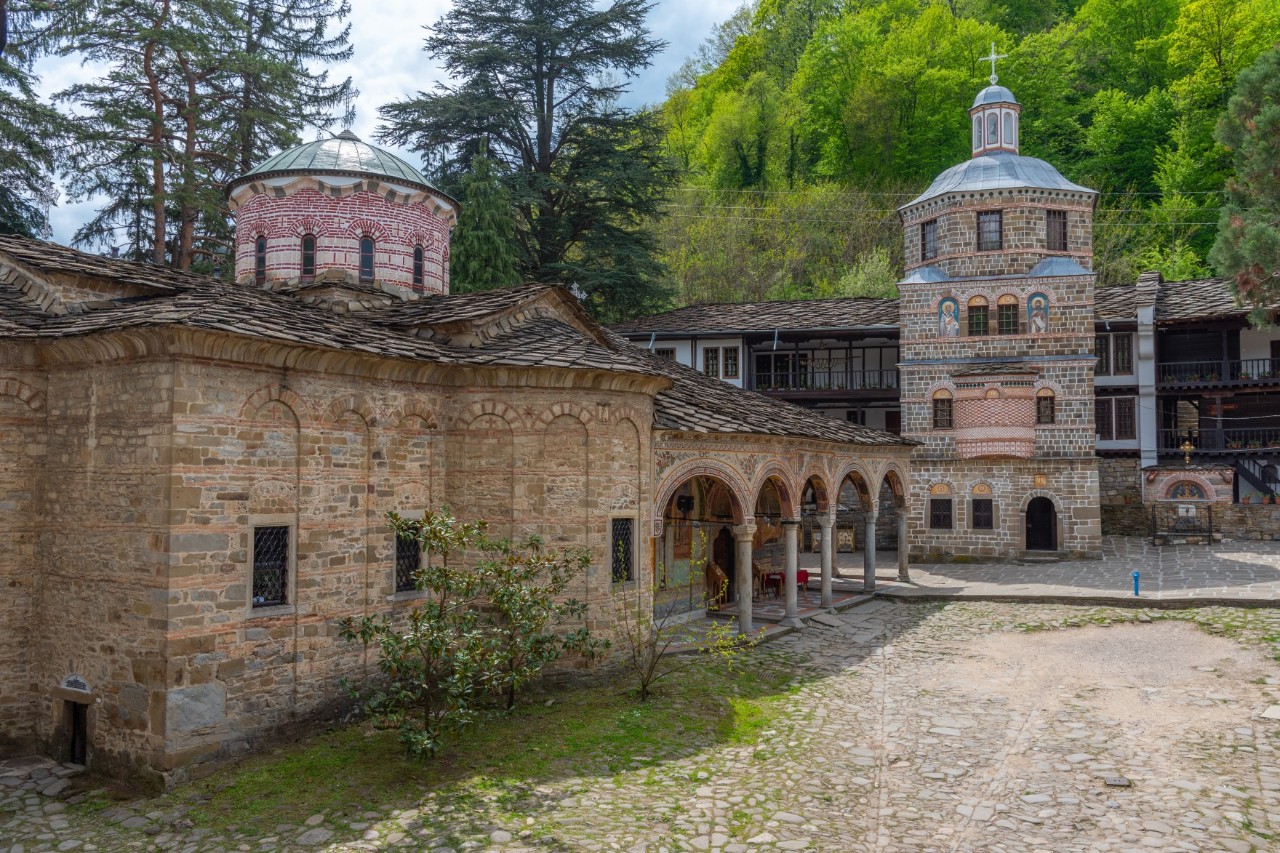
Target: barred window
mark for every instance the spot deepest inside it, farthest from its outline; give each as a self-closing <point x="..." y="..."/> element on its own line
<point x="622" y="549"/>
<point x="308" y="256"/>
<point x="408" y="559"/>
<point x="929" y="239"/>
<point x="1007" y="315"/>
<point x="940" y="515"/>
<point x="1123" y="352"/>
<point x="1126" y="420"/>
<point x="260" y="259"/>
<point x="1044" y="407"/>
<point x="711" y="361"/>
<point x="270" y="566"/>
<point x="1103" y="424"/>
<point x="418" y="273"/>
<point x="943" y="410"/>
<point x="990" y="228"/>
<point x="730" y="362"/>
<point x="1056" y="228"/>
<point x="977" y="317"/>
<point x="1102" y="349"/>
<point x="984" y="515"/>
<point x="366" y="259"/>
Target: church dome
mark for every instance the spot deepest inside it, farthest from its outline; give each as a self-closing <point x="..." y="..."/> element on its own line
<point x="996" y="171"/>
<point x="994" y="95"/>
<point x="342" y="155"/>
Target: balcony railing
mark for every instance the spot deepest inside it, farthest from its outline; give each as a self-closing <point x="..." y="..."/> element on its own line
<point x="834" y="379"/>
<point x="1237" y="371"/>
<point x="1220" y="440"/>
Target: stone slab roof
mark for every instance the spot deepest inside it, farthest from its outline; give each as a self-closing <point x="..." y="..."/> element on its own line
<point x="1192" y="300"/>
<point x="542" y="338"/>
<point x="1115" y="303"/>
<point x="997" y="368"/>
<point x="737" y="318"/>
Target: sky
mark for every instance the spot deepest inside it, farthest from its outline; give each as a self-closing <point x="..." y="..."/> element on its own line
<point x="388" y="64"/>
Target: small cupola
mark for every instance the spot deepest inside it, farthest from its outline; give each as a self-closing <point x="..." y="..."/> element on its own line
<point x="994" y="116"/>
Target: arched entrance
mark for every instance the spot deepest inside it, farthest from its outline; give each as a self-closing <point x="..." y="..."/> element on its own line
<point x="695" y="562"/>
<point x="1042" y="525"/>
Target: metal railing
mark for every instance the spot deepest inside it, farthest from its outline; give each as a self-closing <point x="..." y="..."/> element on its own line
<point x="1223" y="370"/>
<point x="1215" y="440"/>
<point x="823" y="378"/>
<point x="1179" y="520"/>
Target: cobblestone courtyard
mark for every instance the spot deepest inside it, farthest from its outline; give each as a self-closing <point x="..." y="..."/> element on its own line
<point x="911" y="726"/>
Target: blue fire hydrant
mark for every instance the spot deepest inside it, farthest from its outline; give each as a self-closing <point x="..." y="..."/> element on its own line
<point x="1136" y="575"/>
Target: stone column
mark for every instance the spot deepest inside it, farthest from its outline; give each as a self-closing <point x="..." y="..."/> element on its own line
<point x="744" y="536"/>
<point x="828" y="525"/>
<point x="791" y="540"/>
<point x="869" y="554"/>
<point x="903" y="575"/>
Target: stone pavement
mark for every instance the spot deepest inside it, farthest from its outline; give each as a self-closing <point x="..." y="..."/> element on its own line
<point x="1225" y="572"/>
<point x="912" y="726"/>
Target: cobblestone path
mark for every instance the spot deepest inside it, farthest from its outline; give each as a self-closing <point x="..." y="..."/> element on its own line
<point x="912" y="726"/>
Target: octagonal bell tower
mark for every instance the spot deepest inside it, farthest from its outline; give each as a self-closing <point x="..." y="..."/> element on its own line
<point x="341" y="212"/>
<point x="997" y="363"/>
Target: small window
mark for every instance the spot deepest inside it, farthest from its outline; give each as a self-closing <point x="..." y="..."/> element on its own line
<point x="977" y="132"/>
<point x="270" y="566"/>
<point x="940" y="513"/>
<point x="1126" y="420"/>
<point x="1123" y="352"/>
<point x="665" y="352"/>
<point x="622" y="549"/>
<point x="308" y="256"/>
<point x="929" y="240"/>
<point x="260" y="259"/>
<point x="730" y="356"/>
<point x="1103" y="424"/>
<point x="943" y="410"/>
<point x="990" y="231"/>
<point x="1009" y="141"/>
<point x="1044" y="407"/>
<point x="1007" y="315"/>
<point x="408" y="560"/>
<point x="993" y="128"/>
<point x="1056" y="228"/>
<point x="977" y="317"/>
<point x="711" y="361"/>
<point x="366" y="259"/>
<point x="984" y="515"/>
<point x="417" y="268"/>
<point x="1102" y="349"/>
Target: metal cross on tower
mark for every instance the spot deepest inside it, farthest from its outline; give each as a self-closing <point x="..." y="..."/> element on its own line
<point x="992" y="59"/>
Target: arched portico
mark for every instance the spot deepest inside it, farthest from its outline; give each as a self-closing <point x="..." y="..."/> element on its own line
<point x="697" y="554"/>
<point x="896" y="486"/>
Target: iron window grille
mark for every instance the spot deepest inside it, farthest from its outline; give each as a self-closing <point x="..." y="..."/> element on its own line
<point x="408" y="560"/>
<point x="990" y="231"/>
<point x="711" y="361"/>
<point x="270" y="566"/>
<point x="929" y="239"/>
<point x="1044" y="409"/>
<point x="308" y="256"/>
<point x="1126" y="419"/>
<point x="418" y="275"/>
<point x="1007" y="319"/>
<point x="366" y="259"/>
<point x="260" y="259"/>
<point x="730" y="362"/>
<point x="621" y="547"/>
<point x="984" y="514"/>
<point x="977" y="320"/>
<point x="943" y="413"/>
<point x="1102" y="349"/>
<point x="1056" y="226"/>
<point x="1102" y="420"/>
<point x="940" y="513"/>
<point x="1122" y="346"/>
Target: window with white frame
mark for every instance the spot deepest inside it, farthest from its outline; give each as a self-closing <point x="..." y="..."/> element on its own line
<point x="729" y="359"/>
<point x="711" y="361"/>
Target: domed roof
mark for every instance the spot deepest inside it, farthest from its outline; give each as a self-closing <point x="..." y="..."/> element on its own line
<point x="997" y="170"/>
<point x="344" y="154"/>
<point x="994" y="95"/>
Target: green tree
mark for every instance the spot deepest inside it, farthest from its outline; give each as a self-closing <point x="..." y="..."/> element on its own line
<point x="1248" y="244"/>
<point x="540" y="80"/>
<point x="483" y="246"/>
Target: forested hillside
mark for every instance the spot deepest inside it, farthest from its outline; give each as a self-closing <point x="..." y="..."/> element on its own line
<point x="802" y="124"/>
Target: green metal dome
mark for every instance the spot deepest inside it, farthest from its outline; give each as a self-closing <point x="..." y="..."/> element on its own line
<point x="344" y="154"/>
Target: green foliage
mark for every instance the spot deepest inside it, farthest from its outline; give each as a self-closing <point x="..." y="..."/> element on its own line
<point x="483" y="246"/>
<point x="1248" y="245"/>
<point x="540" y="81"/>
<point x="490" y="620"/>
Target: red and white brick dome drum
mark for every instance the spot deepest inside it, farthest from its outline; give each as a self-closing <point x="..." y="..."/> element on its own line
<point x="341" y="211"/>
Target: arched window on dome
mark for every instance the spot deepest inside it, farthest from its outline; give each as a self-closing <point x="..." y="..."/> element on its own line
<point x="308" y="256"/>
<point x="978" y="319"/>
<point x="993" y="128"/>
<point x="366" y="258"/>
<point x="417" y="268"/>
<point x="260" y="259"/>
<point x="1009" y="140"/>
<point x="943" y="409"/>
<point x="977" y="132"/>
<point x="1045" y="413"/>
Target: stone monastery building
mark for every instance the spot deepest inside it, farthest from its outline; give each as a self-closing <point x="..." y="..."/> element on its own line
<point x="194" y="474"/>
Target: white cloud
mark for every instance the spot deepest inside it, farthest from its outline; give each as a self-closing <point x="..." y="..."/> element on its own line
<point x="388" y="64"/>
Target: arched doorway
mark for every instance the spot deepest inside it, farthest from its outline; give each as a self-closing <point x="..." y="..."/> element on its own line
<point x="695" y="560"/>
<point x="1042" y="525"/>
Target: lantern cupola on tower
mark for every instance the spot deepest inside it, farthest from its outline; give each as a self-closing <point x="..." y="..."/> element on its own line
<point x="994" y="115"/>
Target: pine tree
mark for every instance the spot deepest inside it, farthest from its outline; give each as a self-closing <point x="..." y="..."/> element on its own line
<point x="484" y="249"/>
<point x="1248" y="245"/>
<point x="540" y="79"/>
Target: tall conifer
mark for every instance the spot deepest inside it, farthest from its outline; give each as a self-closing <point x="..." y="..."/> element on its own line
<point x="483" y="246"/>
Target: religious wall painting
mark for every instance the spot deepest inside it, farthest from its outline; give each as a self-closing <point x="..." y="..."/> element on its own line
<point x="948" y="318"/>
<point x="1037" y="314"/>
<point x="1186" y="490"/>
